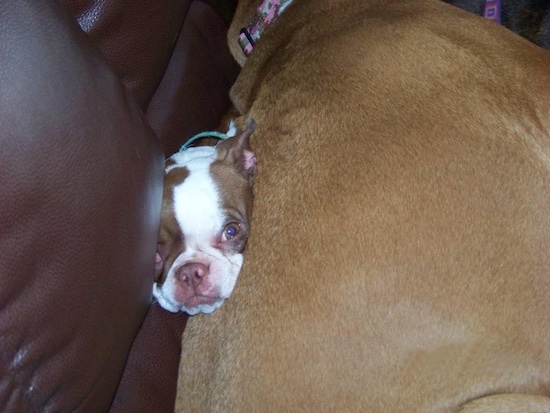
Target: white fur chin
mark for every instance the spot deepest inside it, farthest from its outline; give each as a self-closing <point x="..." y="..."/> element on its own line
<point x="169" y="305"/>
<point x="202" y="308"/>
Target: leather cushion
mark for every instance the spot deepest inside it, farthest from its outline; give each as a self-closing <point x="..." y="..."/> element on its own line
<point x="194" y="92"/>
<point x="135" y="36"/>
<point x="81" y="181"/>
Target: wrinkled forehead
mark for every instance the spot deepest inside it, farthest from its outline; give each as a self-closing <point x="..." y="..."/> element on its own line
<point x="196" y="158"/>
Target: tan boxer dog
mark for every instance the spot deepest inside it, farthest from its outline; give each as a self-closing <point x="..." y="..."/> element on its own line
<point x="400" y="253"/>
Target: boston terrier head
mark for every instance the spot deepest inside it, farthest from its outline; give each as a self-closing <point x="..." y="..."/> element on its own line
<point x="205" y="224"/>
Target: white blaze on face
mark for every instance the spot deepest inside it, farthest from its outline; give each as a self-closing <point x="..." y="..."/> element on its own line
<point x="198" y="212"/>
<point x="197" y="200"/>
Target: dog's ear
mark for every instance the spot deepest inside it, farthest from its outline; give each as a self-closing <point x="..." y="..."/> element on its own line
<point x="237" y="151"/>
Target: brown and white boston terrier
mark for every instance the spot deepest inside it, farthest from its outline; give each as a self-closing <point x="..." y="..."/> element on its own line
<point x="207" y="202"/>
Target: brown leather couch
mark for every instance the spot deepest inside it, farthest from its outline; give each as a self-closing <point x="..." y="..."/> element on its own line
<point x="93" y="95"/>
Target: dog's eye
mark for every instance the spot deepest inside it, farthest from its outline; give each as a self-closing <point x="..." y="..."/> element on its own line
<point x="231" y="230"/>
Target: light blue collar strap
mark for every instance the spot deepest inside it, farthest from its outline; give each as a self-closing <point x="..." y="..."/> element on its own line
<point x="212" y="134"/>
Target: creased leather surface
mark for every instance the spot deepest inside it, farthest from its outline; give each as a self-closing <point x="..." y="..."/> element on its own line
<point x="194" y="92"/>
<point x="149" y="381"/>
<point x="135" y="36"/>
<point x="80" y="192"/>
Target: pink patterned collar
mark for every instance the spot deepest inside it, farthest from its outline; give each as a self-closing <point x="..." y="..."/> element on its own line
<point x="267" y="12"/>
<point x="491" y="11"/>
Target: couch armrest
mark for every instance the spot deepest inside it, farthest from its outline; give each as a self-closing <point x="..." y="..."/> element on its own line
<point x="80" y="195"/>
